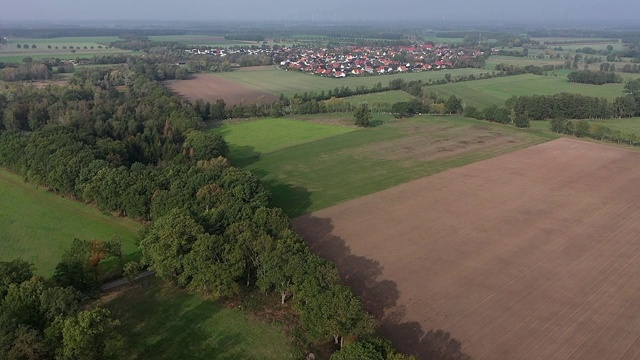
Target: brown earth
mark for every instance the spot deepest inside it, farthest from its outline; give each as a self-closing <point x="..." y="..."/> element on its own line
<point x="210" y="87"/>
<point x="530" y="255"/>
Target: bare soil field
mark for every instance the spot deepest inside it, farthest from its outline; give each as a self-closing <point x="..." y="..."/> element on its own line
<point x="530" y="255"/>
<point x="210" y="87"/>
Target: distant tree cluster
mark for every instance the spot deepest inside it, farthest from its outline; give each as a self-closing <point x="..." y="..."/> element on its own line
<point x="593" y="77"/>
<point x="496" y="114"/>
<point x="573" y="106"/>
<point x="26" y="71"/>
<point x="592" y="129"/>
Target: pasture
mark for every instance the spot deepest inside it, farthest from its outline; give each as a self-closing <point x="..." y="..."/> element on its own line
<point x="275" y="81"/>
<point x="160" y="321"/>
<point x="203" y="40"/>
<point x="334" y="165"/>
<point x="495" y="91"/>
<point x="10" y="53"/>
<point x="387" y="97"/>
<point x="39" y="226"/>
<point x="533" y="254"/>
<point x="494" y="60"/>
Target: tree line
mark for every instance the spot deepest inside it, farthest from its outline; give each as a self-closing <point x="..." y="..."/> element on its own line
<point x="593" y="77"/>
<point x="118" y="139"/>
<point x="594" y="130"/>
<point x="573" y="106"/>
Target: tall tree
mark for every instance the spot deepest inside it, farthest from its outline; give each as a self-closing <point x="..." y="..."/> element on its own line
<point x="362" y="116"/>
<point x="91" y="335"/>
<point x="168" y="240"/>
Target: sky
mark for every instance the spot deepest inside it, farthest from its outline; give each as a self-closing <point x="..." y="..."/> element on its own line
<point x="608" y="11"/>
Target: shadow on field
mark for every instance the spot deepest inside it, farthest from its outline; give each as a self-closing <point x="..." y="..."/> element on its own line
<point x="380" y="296"/>
<point x="161" y="322"/>
<point x="292" y="199"/>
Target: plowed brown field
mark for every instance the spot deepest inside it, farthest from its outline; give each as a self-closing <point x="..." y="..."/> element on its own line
<point x="209" y="87"/>
<point x="529" y="255"/>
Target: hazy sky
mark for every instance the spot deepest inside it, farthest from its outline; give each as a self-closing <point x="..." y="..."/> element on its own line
<point x="323" y="11"/>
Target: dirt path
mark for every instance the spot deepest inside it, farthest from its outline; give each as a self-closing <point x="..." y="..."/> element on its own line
<point x="114" y="284"/>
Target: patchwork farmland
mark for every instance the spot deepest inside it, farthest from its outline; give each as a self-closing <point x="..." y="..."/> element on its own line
<point x="210" y="87"/>
<point x="250" y="83"/>
<point x="536" y="259"/>
<point x="309" y="166"/>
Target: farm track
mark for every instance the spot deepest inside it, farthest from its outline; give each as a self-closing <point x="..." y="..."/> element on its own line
<point x="529" y="255"/>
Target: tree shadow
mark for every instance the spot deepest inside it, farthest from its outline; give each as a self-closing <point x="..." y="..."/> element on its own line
<point x="294" y="200"/>
<point x="380" y="296"/>
<point x="162" y="322"/>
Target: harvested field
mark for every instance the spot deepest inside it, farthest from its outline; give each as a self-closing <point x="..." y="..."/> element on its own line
<point x="210" y="87"/>
<point x="530" y="255"/>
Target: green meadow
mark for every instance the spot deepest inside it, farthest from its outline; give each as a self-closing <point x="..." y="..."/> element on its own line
<point x="495" y="91"/>
<point x="387" y="97"/>
<point x="10" y="52"/>
<point x="38" y="226"/>
<point x="275" y="81"/>
<point x="159" y="321"/>
<point x="307" y="173"/>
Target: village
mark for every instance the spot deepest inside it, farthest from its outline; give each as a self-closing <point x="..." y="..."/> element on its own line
<point x="358" y="61"/>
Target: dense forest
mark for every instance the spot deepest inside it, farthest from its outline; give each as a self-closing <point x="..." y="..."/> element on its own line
<point x="118" y="139"/>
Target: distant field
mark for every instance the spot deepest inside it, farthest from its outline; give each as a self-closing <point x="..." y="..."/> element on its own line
<point x="162" y="322"/>
<point x="199" y="40"/>
<point x="388" y="97"/>
<point x="10" y="53"/>
<point x="494" y="60"/>
<point x="38" y="226"/>
<point x="484" y="93"/>
<point x="579" y="43"/>
<point x="306" y="174"/>
<point x="276" y="81"/>
<point x="267" y="135"/>
<point x="210" y="87"/>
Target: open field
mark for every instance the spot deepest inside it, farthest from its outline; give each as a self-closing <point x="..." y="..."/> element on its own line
<point x="487" y="92"/>
<point x="210" y="87"/>
<point x="275" y="81"/>
<point x="203" y="40"/>
<point x="162" y="322"/>
<point x="10" y="53"/>
<point x="387" y="97"/>
<point x="529" y="255"/>
<point x="38" y="226"/>
<point x="339" y="165"/>
<point x="494" y="60"/>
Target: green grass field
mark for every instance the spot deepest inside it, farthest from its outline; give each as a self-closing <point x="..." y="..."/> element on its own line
<point x="162" y="322"/>
<point x="38" y="226"/>
<point x="276" y="81"/>
<point x="323" y="171"/>
<point x="10" y="53"/>
<point x="267" y="135"/>
<point x="387" y="97"/>
<point x="494" y="60"/>
<point x="484" y="93"/>
<point x="203" y="40"/>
